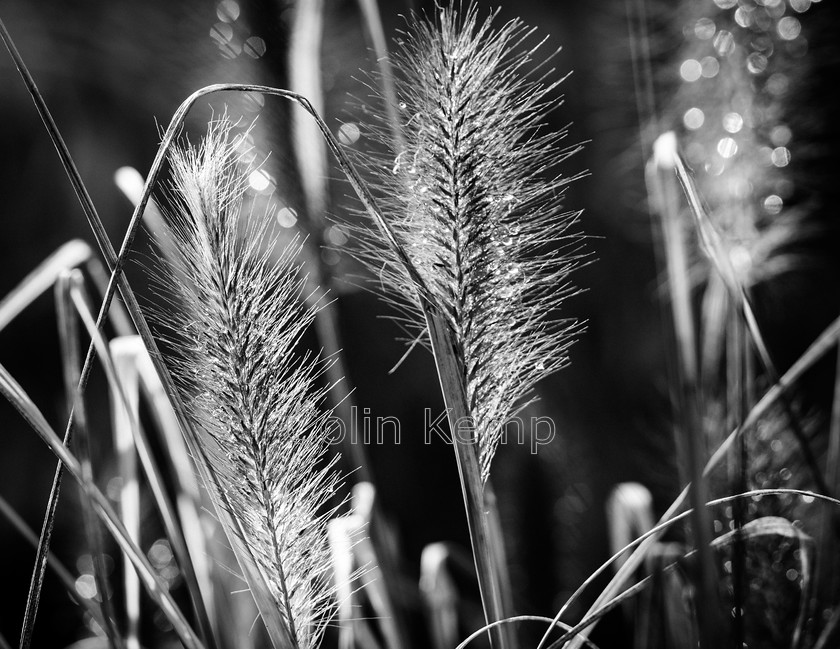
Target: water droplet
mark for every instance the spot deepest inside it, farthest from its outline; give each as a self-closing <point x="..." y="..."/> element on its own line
<point x="756" y="63"/>
<point x="254" y="47"/>
<point x="160" y="554"/>
<point x="330" y="257"/>
<point x="789" y="28"/>
<point x="785" y="474"/>
<point x="709" y="67"/>
<point x="403" y="105"/>
<point x="86" y="586"/>
<point x="397" y="163"/>
<point x="704" y="29"/>
<point x="540" y="366"/>
<point x="732" y="123"/>
<point x="777" y="84"/>
<point x="724" y="43"/>
<point x="727" y="147"/>
<point x="227" y="11"/>
<point x="780" y="135"/>
<point x="349" y="133"/>
<point x="780" y="156"/>
<point x="221" y="33"/>
<point x="694" y="118"/>
<point x="744" y="16"/>
<point x="336" y="236"/>
<point x="690" y="70"/>
<point x="286" y="217"/>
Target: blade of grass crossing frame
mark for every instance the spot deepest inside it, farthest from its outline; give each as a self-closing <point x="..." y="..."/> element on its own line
<point x="131" y="437"/>
<point x="824" y="342"/>
<point x="71" y="353"/>
<point x="714" y="248"/>
<point x="187" y="495"/>
<point x="664" y="189"/>
<point x="270" y="616"/>
<point x="55" y="564"/>
<point x="20" y="401"/>
<point x="70" y="361"/>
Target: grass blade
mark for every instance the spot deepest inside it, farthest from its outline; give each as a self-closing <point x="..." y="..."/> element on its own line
<point x="824" y="342"/>
<point x="53" y="562"/>
<point x="187" y="496"/>
<point x="715" y="249"/>
<point x="125" y="413"/>
<point x="481" y="536"/>
<point x="135" y="438"/>
<point x="17" y="397"/>
<point x="71" y="254"/>
<point x="69" y="338"/>
<point x="691" y="447"/>
<point x="440" y="595"/>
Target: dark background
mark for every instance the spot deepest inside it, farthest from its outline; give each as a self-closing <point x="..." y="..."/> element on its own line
<point x="111" y="71"/>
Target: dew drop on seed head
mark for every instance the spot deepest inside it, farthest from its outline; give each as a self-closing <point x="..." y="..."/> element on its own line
<point x="540" y="366"/>
<point x="397" y="163"/>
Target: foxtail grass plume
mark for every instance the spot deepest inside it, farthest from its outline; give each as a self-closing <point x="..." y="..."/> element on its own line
<point x="235" y="330"/>
<point x="471" y="191"/>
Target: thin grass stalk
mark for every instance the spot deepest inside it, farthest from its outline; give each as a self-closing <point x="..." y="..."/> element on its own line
<point x="519" y="618"/>
<point x="135" y="440"/>
<point x="54" y="564"/>
<point x="580" y="630"/>
<point x="738" y="398"/>
<point x="187" y="495"/>
<point x="829" y="630"/>
<point x="268" y="612"/>
<point x="482" y="536"/>
<point x="20" y="401"/>
<point x="310" y="152"/>
<point x="715" y="250"/>
<point x="69" y="343"/>
<point x="824" y="342"/>
<point x="691" y="449"/>
<point x="71" y="353"/>
<point x="270" y="617"/>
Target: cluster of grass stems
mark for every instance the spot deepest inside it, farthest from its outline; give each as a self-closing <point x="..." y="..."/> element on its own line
<point x="465" y="232"/>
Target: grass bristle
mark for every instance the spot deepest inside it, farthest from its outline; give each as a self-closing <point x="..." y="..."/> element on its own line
<point x="473" y="200"/>
<point x="249" y="392"/>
